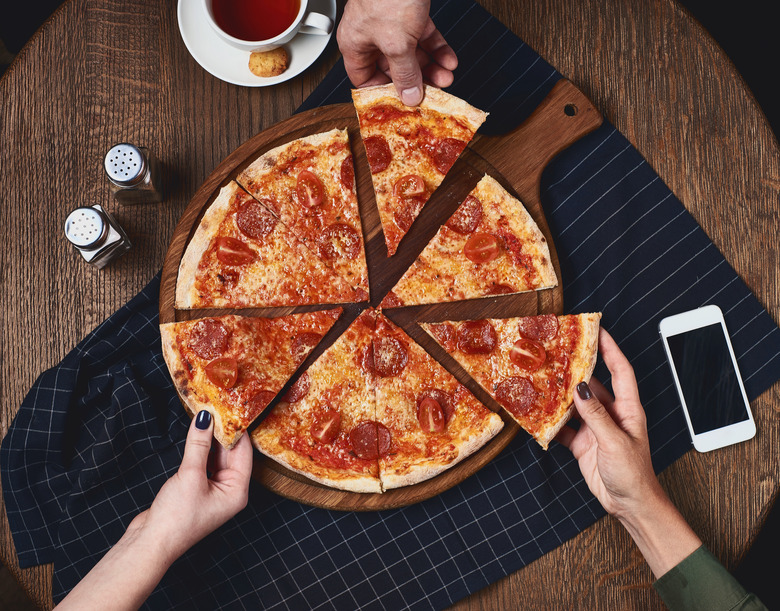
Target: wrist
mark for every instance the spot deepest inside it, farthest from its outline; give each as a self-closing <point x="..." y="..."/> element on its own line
<point x="144" y="533"/>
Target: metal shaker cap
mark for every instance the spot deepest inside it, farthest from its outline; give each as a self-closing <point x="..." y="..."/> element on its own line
<point x="125" y="164"/>
<point x="86" y="228"/>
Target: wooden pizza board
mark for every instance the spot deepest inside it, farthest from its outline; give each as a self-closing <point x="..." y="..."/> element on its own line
<point x="516" y="160"/>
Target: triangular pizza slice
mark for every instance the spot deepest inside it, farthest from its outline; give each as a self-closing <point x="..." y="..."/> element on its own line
<point x="233" y="366"/>
<point x="410" y="149"/>
<point x="309" y="184"/>
<point x="529" y="365"/>
<point x="242" y="256"/>
<point x="432" y="421"/>
<point x="325" y="428"/>
<point x="489" y="246"/>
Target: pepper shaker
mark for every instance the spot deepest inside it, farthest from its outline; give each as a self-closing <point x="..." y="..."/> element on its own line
<point x="96" y="235"/>
<point x="134" y="174"/>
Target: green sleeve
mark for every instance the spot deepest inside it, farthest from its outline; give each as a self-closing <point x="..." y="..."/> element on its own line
<point x="701" y="582"/>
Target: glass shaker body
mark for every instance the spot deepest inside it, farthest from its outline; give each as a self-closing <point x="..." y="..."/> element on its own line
<point x="133" y="174"/>
<point x="96" y="235"/>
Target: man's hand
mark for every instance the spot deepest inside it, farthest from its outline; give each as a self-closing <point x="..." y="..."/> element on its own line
<point x="383" y="41"/>
<point x="613" y="451"/>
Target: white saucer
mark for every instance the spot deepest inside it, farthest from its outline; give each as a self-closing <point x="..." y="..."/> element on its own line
<point x="231" y="65"/>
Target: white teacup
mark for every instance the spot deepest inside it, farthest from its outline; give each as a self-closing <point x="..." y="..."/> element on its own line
<point x="305" y="22"/>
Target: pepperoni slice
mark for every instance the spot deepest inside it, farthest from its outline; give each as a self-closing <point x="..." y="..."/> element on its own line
<point x="391" y="300"/>
<point x="444" y="334"/>
<point x="326" y="426"/>
<point x="303" y="344"/>
<point x="254" y="220"/>
<point x="339" y="241"/>
<point x="527" y="354"/>
<point x="467" y="217"/>
<point x="390" y="356"/>
<point x="407" y="211"/>
<point x="231" y="251"/>
<point x="498" y="288"/>
<point x="431" y="416"/>
<point x="482" y="248"/>
<point x="222" y="372"/>
<point x="365" y="360"/>
<point x="370" y="440"/>
<point x="348" y="173"/>
<point x="442" y="397"/>
<point x="259" y="401"/>
<point x="516" y="394"/>
<point x="539" y="328"/>
<point x="446" y="152"/>
<point x="209" y="338"/>
<point x="310" y="189"/>
<point x="378" y="153"/>
<point x="477" y="337"/>
<point x="299" y="389"/>
<point x="410" y="185"/>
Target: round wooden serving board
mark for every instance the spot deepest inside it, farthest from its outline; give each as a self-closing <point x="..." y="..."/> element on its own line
<point x="515" y="159"/>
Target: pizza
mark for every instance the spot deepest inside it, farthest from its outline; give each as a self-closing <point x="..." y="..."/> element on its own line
<point x="489" y="246"/>
<point x="233" y="366"/>
<point x="374" y="412"/>
<point x="410" y="149"/>
<point x="432" y="421"/>
<point x="325" y="427"/>
<point x="309" y="185"/>
<point x="529" y="365"/>
<point x="241" y="256"/>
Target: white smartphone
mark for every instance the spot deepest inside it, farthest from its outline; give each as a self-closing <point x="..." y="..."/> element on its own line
<point x="707" y="378"/>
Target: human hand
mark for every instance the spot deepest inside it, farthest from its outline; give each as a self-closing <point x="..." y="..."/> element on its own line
<point x="191" y="505"/>
<point x="383" y="41"/>
<point x="611" y="445"/>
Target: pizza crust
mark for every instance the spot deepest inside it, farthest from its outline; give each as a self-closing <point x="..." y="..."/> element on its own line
<point x="434" y="99"/>
<point x="426" y="470"/>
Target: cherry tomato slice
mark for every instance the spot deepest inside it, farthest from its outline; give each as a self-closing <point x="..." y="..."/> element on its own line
<point x="326" y="426"/>
<point x="527" y="354"/>
<point x="410" y="185"/>
<point x="231" y="251"/>
<point x="310" y="189"/>
<point x="431" y="416"/>
<point x="482" y="248"/>
<point x="223" y="372"/>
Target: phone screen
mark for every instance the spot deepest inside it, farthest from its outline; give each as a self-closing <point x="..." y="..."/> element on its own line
<point x="707" y="377"/>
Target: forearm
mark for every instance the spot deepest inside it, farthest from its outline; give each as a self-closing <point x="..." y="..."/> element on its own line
<point x="126" y="575"/>
<point x="661" y="534"/>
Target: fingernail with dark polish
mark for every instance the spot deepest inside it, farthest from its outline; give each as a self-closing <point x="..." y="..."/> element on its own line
<point x="583" y="390"/>
<point x="203" y="420"/>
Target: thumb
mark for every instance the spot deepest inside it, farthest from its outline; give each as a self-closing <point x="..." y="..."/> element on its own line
<point x="198" y="444"/>
<point x="406" y="74"/>
<point x="594" y="414"/>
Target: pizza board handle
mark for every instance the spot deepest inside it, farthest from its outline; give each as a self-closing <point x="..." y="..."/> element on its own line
<point x="563" y="117"/>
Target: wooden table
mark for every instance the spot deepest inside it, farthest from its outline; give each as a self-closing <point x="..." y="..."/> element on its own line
<point x="103" y="71"/>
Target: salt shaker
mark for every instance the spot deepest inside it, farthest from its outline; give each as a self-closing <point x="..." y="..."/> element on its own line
<point x="134" y="174"/>
<point x="96" y="235"/>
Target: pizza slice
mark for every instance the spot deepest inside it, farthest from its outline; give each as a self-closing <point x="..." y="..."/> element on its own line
<point x="309" y="184"/>
<point x="410" y="149"/>
<point x="233" y="366"/>
<point x="530" y="365"/>
<point x="242" y="256"/>
<point x="325" y="428"/>
<point x="433" y="421"/>
<point x="489" y="246"/>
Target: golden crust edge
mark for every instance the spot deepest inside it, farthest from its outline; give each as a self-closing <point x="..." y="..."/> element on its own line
<point x="362" y="484"/>
<point x="421" y="472"/>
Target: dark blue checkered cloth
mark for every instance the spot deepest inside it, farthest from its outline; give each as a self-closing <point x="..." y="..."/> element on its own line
<point x="98" y="435"/>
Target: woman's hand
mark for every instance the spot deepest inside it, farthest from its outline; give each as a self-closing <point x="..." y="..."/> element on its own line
<point x="190" y="505"/>
<point x="395" y="41"/>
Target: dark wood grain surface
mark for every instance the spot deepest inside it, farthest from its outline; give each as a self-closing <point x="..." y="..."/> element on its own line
<point x="101" y="72"/>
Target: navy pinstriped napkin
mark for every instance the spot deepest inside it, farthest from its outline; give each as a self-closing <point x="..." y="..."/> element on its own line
<point x="98" y="435"/>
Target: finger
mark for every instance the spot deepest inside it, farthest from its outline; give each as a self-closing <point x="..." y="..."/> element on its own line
<point x="565" y="436"/>
<point x="623" y="380"/>
<point x="198" y="444"/>
<point x="594" y="414"/>
<point x="405" y="71"/>
<point x="433" y="44"/>
<point x="602" y="394"/>
<point x="437" y="76"/>
<point x="239" y="459"/>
